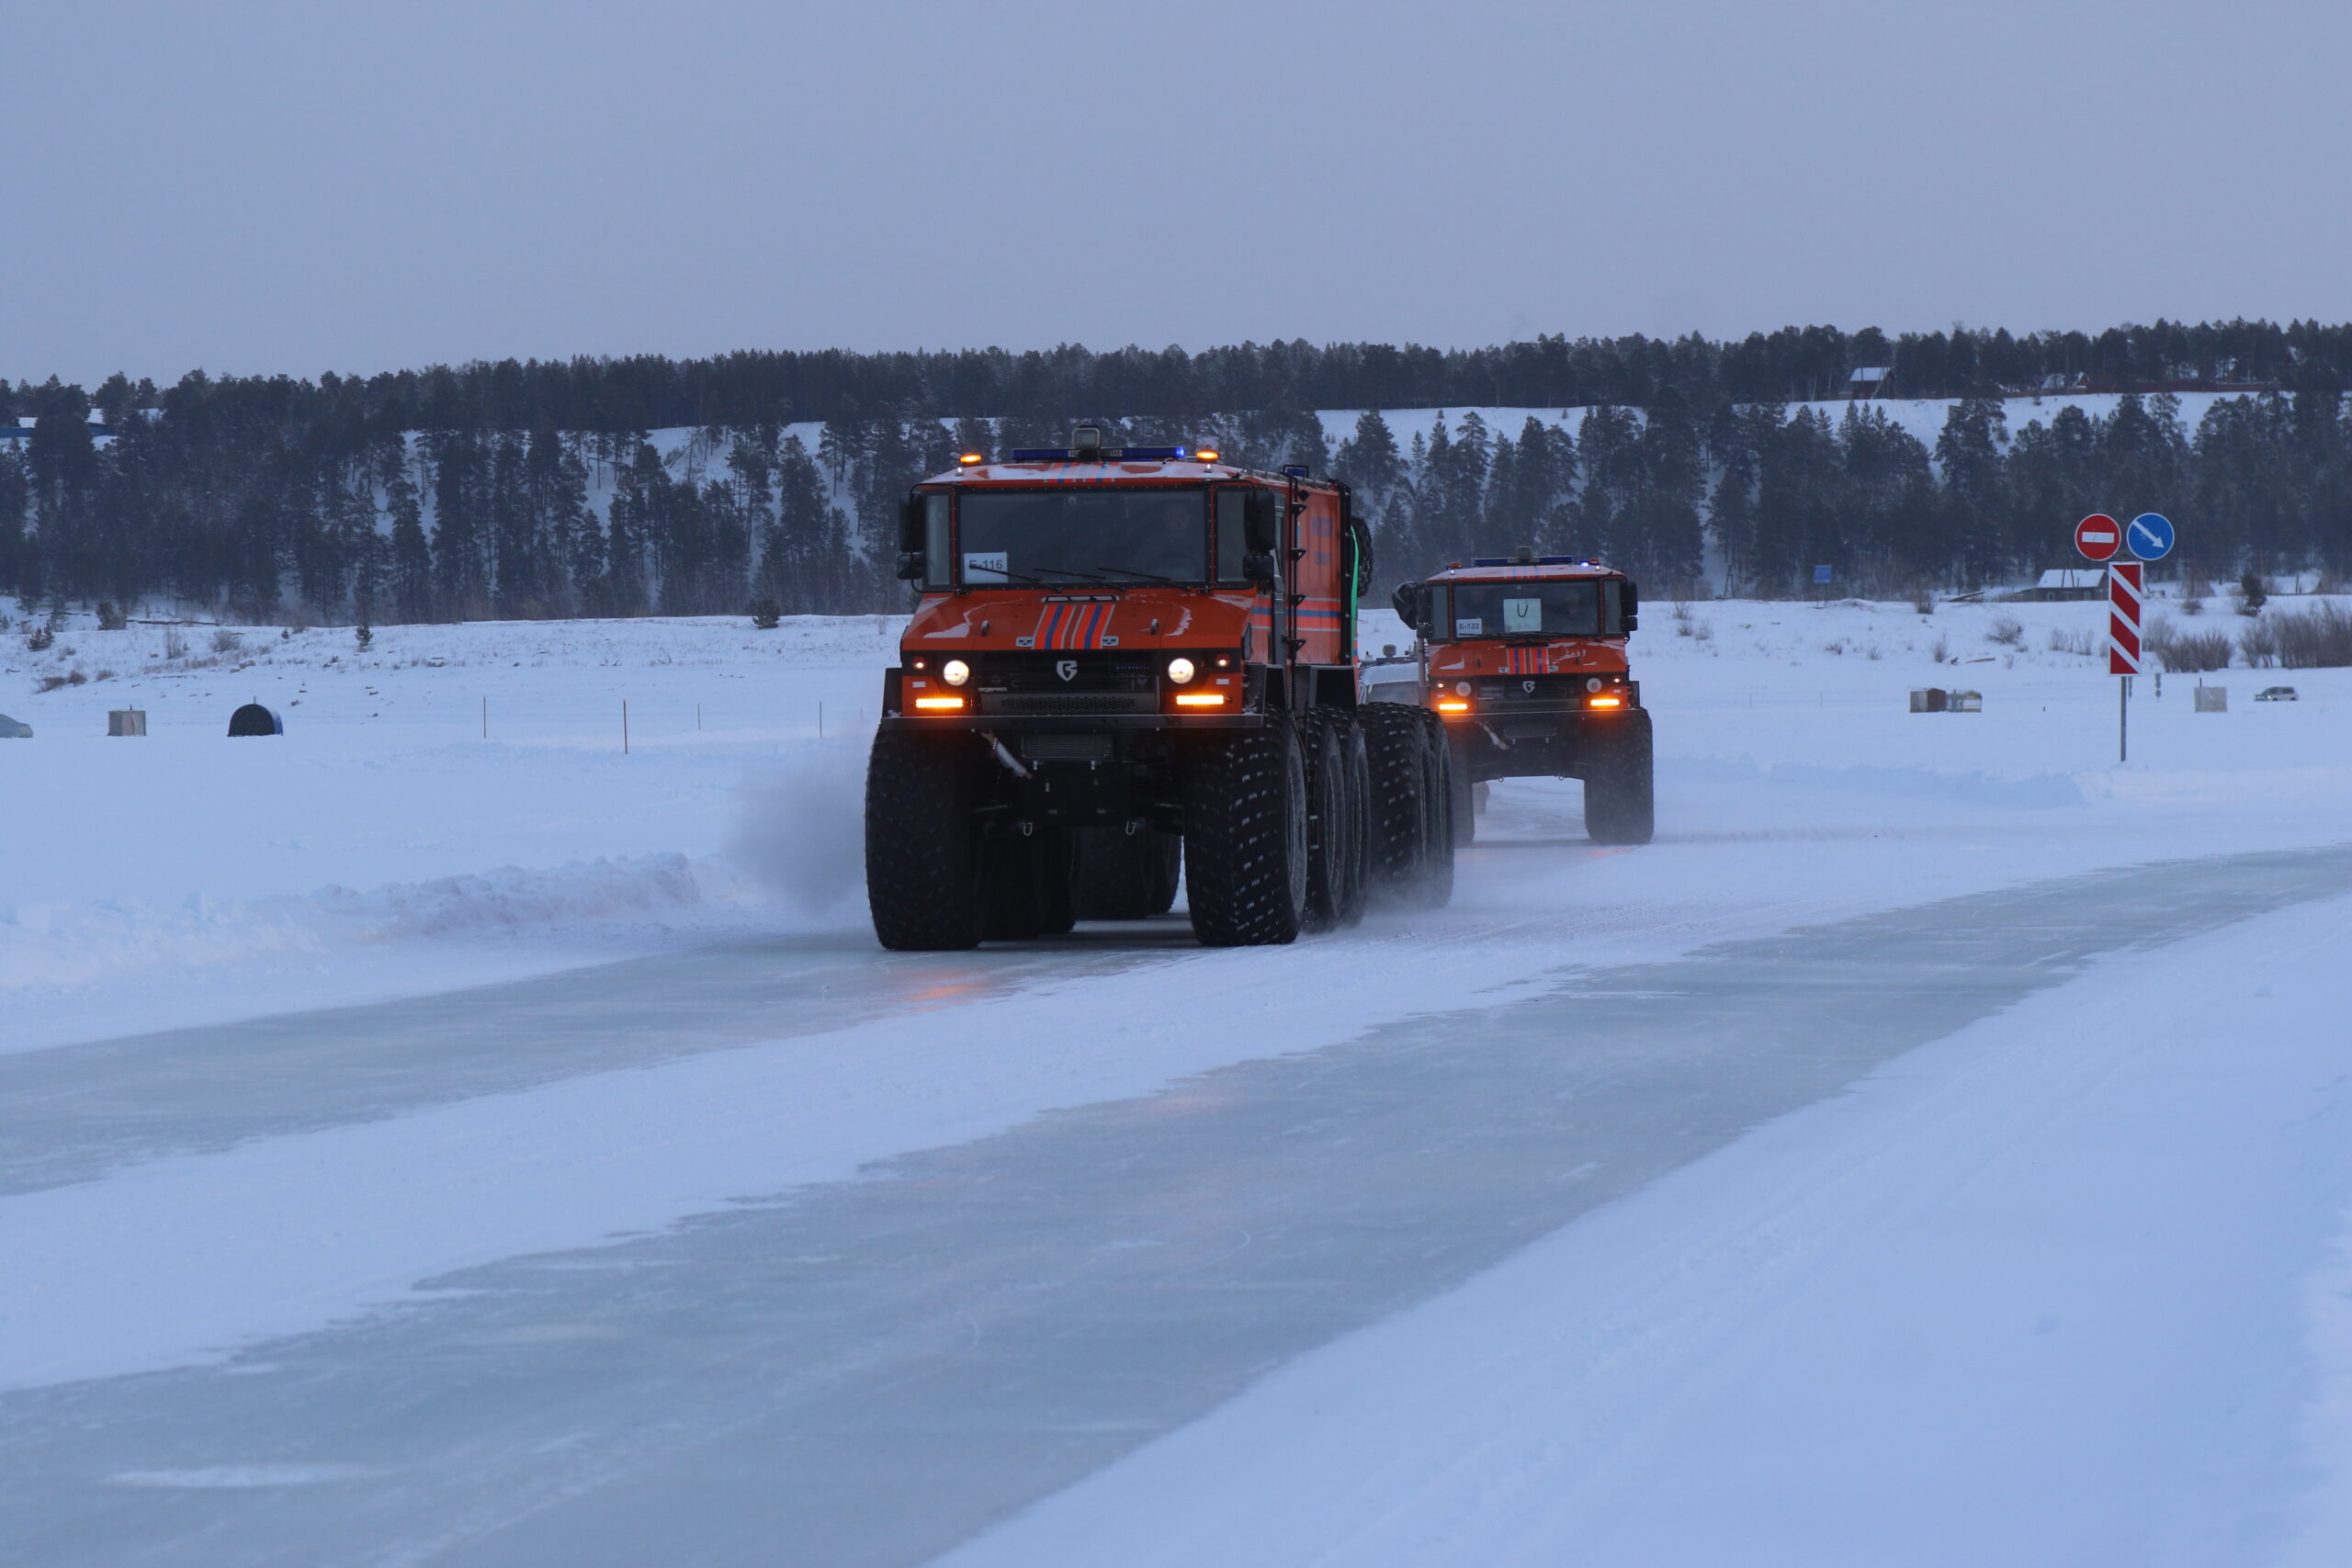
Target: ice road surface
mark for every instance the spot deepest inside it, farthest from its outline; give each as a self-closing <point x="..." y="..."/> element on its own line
<point x="1933" y="1149"/>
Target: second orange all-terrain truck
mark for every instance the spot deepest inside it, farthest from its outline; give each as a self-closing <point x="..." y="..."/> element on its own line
<point x="1524" y="660"/>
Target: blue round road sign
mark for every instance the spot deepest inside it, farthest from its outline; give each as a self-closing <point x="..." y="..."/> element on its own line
<point x="2150" y="535"/>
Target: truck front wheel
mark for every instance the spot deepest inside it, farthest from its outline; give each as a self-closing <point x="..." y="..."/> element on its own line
<point x="922" y="863"/>
<point x="1618" y="800"/>
<point x="1460" y="791"/>
<point x="1245" y="836"/>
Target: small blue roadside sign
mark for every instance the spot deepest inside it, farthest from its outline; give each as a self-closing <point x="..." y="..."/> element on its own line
<point x="1821" y="576"/>
<point x="2150" y="535"/>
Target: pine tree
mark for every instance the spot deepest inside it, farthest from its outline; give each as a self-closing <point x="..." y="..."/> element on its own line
<point x="411" y="559"/>
<point x="460" y="570"/>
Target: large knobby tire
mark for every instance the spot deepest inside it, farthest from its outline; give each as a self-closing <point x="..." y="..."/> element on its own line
<point x="923" y="871"/>
<point x="1434" y="888"/>
<point x="1460" y="797"/>
<point x="1026" y="881"/>
<point x="1335" y="830"/>
<point x="1620" y="805"/>
<point x="1395" y="748"/>
<point x="1124" y="876"/>
<point x="1245" y="836"/>
<point x="1359" y="772"/>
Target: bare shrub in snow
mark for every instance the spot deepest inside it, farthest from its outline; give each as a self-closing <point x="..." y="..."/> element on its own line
<point x="1941" y="651"/>
<point x="39" y="640"/>
<point x="2064" y="641"/>
<point x="2318" y="638"/>
<point x="2006" y="631"/>
<point x="227" y="641"/>
<point x="2195" y="652"/>
<point x="2259" y="645"/>
<point x="1923" y="599"/>
<point x="175" y="645"/>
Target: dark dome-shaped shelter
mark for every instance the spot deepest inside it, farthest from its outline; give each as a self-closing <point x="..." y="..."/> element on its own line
<point x="254" y="719"/>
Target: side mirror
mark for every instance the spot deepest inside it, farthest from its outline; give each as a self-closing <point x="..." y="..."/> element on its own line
<point x="911" y="564"/>
<point x="1258" y="566"/>
<point x="1259" y="526"/>
<point x="910" y="519"/>
<point x="1629" y="605"/>
<point x="1406" y="603"/>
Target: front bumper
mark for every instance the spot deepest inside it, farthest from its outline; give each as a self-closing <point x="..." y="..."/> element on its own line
<point x="1071" y="724"/>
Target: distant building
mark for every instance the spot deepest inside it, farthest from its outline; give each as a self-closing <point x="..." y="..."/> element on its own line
<point x="23" y="429"/>
<point x="2070" y="583"/>
<point x="1870" y="381"/>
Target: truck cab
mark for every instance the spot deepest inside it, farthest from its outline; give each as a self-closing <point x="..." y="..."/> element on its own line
<point x="1524" y="660"/>
<point x="1125" y="663"/>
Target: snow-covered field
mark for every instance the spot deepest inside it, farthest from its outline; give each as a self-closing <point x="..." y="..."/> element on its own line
<point x="1916" y="1323"/>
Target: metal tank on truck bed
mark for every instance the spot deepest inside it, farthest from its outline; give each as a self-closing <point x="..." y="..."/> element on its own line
<point x="1128" y="659"/>
<point x="1523" y="658"/>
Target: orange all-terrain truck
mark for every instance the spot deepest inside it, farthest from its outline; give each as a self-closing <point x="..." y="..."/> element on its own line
<point x="1524" y="660"/>
<point x="1125" y="660"/>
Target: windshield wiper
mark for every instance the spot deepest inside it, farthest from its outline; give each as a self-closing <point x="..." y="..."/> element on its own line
<point x="1133" y="572"/>
<point x="1073" y="572"/>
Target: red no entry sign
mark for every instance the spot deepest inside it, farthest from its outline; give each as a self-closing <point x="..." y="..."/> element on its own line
<point x="2098" y="535"/>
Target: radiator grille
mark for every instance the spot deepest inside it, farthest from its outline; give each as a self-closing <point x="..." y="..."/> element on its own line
<point x="1067" y="701"/>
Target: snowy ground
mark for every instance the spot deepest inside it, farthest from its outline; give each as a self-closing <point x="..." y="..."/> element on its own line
<point x="1909" y="1323"/>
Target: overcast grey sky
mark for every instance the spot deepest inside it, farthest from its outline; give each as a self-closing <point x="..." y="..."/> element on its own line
<point x="304" y="187"/>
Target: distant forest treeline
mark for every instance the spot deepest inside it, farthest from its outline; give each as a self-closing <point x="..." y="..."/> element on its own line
<point x="521" y="489"/>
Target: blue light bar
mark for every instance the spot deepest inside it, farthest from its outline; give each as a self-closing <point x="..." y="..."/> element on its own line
<point x="1107" y="454"/>
<point x="1539" y="560"/>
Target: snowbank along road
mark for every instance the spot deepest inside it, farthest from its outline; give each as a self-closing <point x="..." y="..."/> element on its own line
<point x="1933" y="1149"/>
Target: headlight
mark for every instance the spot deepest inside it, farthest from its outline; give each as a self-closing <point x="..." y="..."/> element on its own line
<point x="1462" y="688"/>
<point x="955" y="671"/>
<point x="1179" y="670"/>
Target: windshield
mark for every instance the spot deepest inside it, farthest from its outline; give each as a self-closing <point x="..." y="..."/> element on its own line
<point x="1082" y="536"/>
<point x="1527" y="609"/>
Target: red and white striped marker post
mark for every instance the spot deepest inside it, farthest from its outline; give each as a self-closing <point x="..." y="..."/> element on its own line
<point x="2125" y="594"/>
<point x="2125" y="590"/>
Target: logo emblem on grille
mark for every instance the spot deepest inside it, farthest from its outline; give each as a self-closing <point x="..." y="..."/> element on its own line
<point x="1066" y="668"/>
<point x="1527" y="685"/>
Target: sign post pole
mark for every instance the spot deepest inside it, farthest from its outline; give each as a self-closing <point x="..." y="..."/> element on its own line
<point x="2125" y="590"/>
